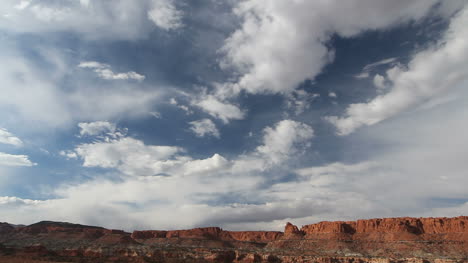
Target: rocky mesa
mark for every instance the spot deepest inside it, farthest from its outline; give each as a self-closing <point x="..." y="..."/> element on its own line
<point x="405" y="239"/>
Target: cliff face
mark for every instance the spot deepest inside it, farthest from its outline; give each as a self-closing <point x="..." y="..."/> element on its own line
<point x="417" y="240"/>
<point x="392" y="225"/>
<point x="211" y="233"/>
<point x="392" y="229"/>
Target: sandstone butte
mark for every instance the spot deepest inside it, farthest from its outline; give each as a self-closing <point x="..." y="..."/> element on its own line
<point x="388" y="240"/>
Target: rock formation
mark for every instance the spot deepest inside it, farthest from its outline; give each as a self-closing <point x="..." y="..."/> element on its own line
<point x="415" y="240"/>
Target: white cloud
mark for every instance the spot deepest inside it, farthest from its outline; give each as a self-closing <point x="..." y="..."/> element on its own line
<point x="287" y="138"/>
<point x="156" y="114"/>
<point x="325" y="175"/>
<point x="132" y="157"/>
<point x="129" y="155"/>
<point x="96" y="128"/>
<point x="421" y="174"/>
<point x="22" y="5"/>
<point x="214" y="164"/>
<point x="30" y="92"/>
<point x="204" y="127"/>
<point x="211" y="191"/>
<point x="386" y="61"/>
<point x="184" y="202"/>
<point x="300" y="100"/>
<point x="379" y="82"/>
<point x="85" y="3"/>
<point x="299" y="31"/>
<point x="165" y="15"/>
<point x="36" y="92"/>
<point x="362" y="75"/>
<point x="9" y="200"/>
<point x="174" y="102"/>
<point x="332" y="94"/>
<point x="69" y="154"/>
<point x="222" y="110"/>
<point x="120" y="19"/>
<point x="14" y="160"/>
<point x="430" y="73"/>
<point x="104" y="71"/>
<point x="7" y="137"/>
<point x="188" y="193"/>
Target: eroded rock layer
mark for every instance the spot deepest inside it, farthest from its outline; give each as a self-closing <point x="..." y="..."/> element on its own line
<point x="388" y="240"/>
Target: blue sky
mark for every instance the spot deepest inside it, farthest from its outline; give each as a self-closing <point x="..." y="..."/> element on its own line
<point x="168" y="114"/>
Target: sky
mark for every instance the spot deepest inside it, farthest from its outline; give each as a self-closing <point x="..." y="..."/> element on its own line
<point x="172" y="114"/>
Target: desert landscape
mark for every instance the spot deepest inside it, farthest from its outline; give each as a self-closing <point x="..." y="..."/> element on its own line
<point x="415" y="240"/>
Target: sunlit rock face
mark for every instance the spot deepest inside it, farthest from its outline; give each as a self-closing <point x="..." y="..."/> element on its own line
<point x="388" y="240"/>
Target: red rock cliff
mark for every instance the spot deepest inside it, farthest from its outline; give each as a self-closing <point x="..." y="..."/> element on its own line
<point x="392" y="225"/>
<point x="214" y="233"/>
<point x="389" y="240"/>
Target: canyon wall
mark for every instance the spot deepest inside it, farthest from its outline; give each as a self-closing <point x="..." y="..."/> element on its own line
<point x="388" y="240"/>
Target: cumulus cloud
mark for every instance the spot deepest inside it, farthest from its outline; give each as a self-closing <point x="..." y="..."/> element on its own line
<point x="299" y="31"/>
<point x="96" y="128"/>
<point x="186" y="203"/>
<point x="286" y="138"/>
<point x="134" y="158"/>
<point x="404" y="181"/>
<point x="165" y="15"/>
<point x="14" y="160"/>
<point x="69" y="154"/>
<point x="181" y="200"/>
<point x="104" y="71"/>
<point x="191" y="192"/>
<point x="222" y="110"/>
<point x="7" y="137"/>
<point x="430" y="73"/>
<point x="188" y="192"/>
<point x="204" y="127"/>
<point x="129" y="155"/>
<point x="422" y="174"/>
<point x="424" y="170"/>
<point x="379" y="82"/>
<point x="122" y="19"/>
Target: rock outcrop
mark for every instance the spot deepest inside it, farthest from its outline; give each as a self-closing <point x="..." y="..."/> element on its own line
<point x="389" y="240"/>
<point x="292" y="232"/>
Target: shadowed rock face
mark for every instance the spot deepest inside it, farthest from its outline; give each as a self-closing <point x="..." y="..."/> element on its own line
<point x="418" y="240"/>
<point x="6" y="228"/>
